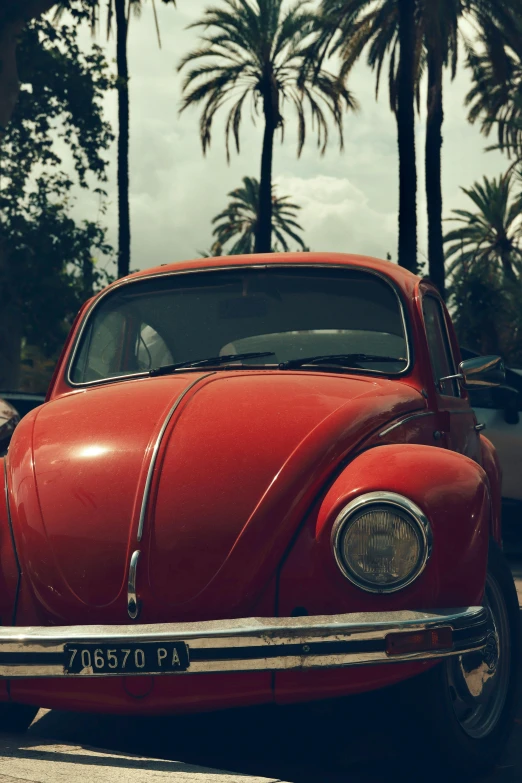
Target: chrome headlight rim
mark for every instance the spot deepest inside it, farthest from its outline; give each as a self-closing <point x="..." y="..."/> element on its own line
<point x="406" y="507"/>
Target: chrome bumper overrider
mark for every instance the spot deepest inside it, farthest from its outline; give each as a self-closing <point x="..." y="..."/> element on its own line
<point x="252" y="644"/>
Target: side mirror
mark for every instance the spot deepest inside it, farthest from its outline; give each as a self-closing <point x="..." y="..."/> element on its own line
<point x="481" y="372"/>
<point x="507" y="399"/>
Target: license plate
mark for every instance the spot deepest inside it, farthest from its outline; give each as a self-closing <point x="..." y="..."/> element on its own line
<point x="146" y="658"/>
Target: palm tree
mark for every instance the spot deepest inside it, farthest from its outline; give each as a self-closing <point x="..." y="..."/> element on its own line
<point x="433" y="28"/>
<point x="491" y="236"/>
<point x="254" y="52"/>
<point x="496" y="96"/>
<point x="346" y="28"/>
<point x="485" y="252"/>
<point x="442" y="27"/>
<point x="239" y="221"/>
<point x="119" y="11"/>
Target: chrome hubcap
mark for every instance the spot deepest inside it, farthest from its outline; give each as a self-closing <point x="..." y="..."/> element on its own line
<point x="479" y="681"/>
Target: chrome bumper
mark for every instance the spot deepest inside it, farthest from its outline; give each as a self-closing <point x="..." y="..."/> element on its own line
<point x="257" y="643"/>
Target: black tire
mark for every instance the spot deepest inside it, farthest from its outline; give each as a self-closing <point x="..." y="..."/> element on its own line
<point x="16" y="718"/>
<point x="460" y="737"/>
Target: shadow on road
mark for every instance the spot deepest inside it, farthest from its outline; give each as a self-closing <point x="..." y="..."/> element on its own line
<point x="290" y="744"/>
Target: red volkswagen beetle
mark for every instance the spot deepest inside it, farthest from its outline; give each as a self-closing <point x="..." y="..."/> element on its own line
<point x="258" y="479"/>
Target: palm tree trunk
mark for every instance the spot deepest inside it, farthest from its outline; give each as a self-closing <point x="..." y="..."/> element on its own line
<point x="264" y="227"/>
<point x="433" y="165"/>
<point x="507" y="266"/>
<point x="124" y="237"/>
<point x="406" y="138"/>
<point x="87" y="277"/>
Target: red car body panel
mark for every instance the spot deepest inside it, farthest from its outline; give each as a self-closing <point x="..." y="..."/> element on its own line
<point x="491" y="465"/>
<point x="251" y="474"/>
<point x="447" y="486"/>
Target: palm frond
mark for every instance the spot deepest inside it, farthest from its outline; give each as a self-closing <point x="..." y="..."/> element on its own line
<point x="491" y="235"/>
<point x="259" y="50"/>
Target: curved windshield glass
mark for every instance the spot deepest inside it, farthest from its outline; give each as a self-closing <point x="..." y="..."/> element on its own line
<point x="295" y="313"/>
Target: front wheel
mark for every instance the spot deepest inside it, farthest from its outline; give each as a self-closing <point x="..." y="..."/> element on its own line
<point x="461" y="712"/>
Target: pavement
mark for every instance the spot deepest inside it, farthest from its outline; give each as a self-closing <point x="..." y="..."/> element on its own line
<point x="261" y="745"/>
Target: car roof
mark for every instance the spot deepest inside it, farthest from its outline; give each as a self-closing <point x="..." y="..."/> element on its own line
<point x="401" y="277"/>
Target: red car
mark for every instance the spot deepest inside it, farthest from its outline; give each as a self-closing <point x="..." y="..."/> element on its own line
<point x="259" y="479"/>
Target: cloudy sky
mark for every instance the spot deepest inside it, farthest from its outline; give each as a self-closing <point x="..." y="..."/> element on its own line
<point x="349" y="200"/>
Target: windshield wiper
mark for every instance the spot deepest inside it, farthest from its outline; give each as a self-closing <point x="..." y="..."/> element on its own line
<point x="212" y="360"/>
<point x="339" y="359"/>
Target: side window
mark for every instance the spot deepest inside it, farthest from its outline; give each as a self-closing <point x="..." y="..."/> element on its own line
<point x="101" y="352"/>
<point x="438" y="341"/>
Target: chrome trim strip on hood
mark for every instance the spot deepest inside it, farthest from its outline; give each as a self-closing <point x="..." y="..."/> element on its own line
<point x="405" y="420"/>
<point x="155" y="451"/>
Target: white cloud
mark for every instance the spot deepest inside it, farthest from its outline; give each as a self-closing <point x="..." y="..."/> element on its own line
<point x="337" y="216"/>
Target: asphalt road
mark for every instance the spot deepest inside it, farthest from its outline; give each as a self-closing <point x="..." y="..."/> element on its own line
<point x="255" y="746"/>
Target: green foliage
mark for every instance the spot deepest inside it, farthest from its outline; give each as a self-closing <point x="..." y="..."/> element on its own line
<point x="37" y="369"/>
<point x="60" y="100"/>
<point x="238" y="222"/>
<point x="253" y="55"/>
<point x="485" y="255"/>
<point x="487" y="314"/>
<point x="490" y="237"/>
<point x="347" y="28"/>
<point x="48" y="260"/>
<point x="496" y="96"/>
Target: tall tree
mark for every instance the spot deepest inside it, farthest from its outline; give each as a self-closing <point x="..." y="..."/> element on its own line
<point x="255" y="50"/>
<point x="119" y="11"/>
<point x="405" y="113"/>
<point x="48" y="258"/>
<point x="416" y="36"/>
<point x="239" y="222"/>
<point x="385" y="29"/>
<point x="440" y="29"/>
<point x="442" y="25"/>
<point x="122" y="64"/>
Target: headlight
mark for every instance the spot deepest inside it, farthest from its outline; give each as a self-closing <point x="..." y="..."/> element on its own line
<point x="381" y="542"/>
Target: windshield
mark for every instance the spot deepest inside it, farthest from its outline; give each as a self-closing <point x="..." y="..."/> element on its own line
<point x="291" y="313"/>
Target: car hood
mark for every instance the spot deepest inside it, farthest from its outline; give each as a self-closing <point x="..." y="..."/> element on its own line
<point x="241" y="459"/>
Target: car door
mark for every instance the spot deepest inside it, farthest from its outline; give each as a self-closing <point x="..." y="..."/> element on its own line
<point x="458" y="421"/>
